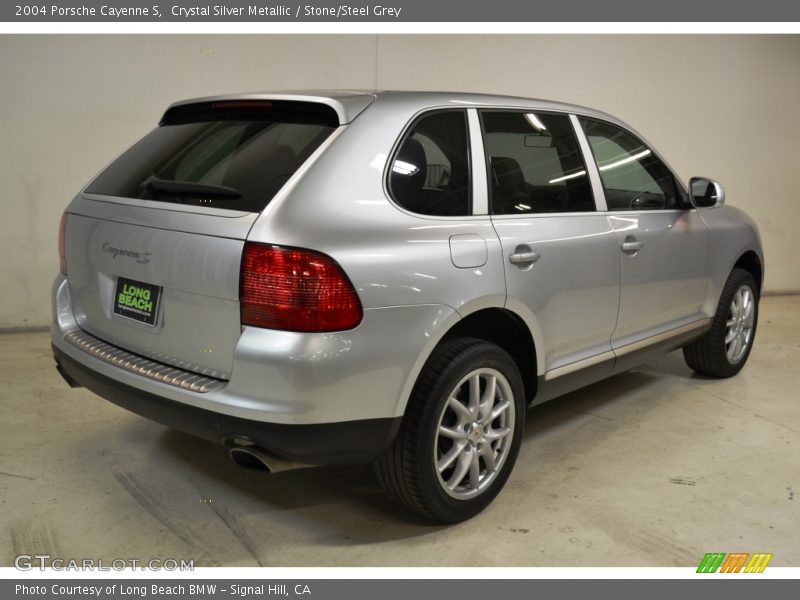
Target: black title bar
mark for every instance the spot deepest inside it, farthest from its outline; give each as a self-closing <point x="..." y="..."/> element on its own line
<point x="243" y="11"/>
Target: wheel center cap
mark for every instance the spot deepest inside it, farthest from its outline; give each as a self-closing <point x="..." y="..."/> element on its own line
<point x="475" y="433"/>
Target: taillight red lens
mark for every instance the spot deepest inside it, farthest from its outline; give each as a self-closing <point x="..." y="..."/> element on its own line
<point x="62" y="238"/>
<point x="296" y="290"/>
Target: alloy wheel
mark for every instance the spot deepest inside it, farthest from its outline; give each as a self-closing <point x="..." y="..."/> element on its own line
<point x="474" y="433"/>
<point x="739" y="326"/>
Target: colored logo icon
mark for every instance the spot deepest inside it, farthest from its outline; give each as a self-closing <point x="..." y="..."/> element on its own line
<point x="736" y="562"/>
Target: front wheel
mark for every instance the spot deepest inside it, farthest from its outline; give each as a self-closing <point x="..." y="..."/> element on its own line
<point x="724" y="349"/>
<point x="460" y="435"/>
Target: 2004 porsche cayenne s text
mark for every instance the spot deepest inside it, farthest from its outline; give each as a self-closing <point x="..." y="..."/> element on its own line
<point x="392" y="278"/>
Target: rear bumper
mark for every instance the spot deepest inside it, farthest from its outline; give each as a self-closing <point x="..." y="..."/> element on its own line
<point x="283" y="377"/>
<point x="347" y="442"/>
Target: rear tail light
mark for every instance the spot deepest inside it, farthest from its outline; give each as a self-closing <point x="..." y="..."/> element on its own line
<point x="62" y="238"/>
<point x="296" y="290"/>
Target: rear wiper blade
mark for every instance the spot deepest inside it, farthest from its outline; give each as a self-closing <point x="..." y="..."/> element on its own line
<point x="192" y="188"/>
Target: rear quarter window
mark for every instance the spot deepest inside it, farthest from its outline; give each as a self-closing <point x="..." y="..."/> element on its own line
<point x="430" y="173"/>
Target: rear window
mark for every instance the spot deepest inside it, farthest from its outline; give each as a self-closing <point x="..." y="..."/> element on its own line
<point x="235" y="155"/>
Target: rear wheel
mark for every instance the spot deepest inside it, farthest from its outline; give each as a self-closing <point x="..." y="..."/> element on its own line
<point x="461" y="433"/>
<point x="724" y="349"/>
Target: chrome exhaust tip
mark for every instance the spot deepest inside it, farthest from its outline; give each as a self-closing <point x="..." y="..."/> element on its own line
<point x="253" y="457"/>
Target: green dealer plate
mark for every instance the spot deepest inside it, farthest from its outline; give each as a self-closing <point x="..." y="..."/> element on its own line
<point x="137" y="300"/>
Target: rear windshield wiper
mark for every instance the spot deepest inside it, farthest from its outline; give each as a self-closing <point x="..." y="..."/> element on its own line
<point x="189" y="188"/>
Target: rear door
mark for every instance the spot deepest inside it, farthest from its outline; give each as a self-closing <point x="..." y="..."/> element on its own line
<point x="561" y="262"/>
<point x="662" y="241"/>
<point x="154" y="243"/>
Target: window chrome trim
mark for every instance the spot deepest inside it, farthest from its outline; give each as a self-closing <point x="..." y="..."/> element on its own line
<point x="591" y="165"/>
<point x="605" y="213"/>
<point x="477" y="157"/>
<point x="398" y="142"/>
<point x="644" y="211"/>
<point x="544" y="215"/>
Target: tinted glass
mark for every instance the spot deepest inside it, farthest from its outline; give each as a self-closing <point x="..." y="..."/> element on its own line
<point x="225" y="163"/>
<point x="430" y="172"/>
<point x="535" y="164"/>
<point x="633" y="177"/>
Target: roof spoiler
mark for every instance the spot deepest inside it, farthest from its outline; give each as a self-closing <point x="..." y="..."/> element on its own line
<point x="338" y="108"/>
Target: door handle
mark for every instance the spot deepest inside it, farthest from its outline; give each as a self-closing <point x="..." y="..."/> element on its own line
<point x="523" y="258"/>
<point x="632" y="246"/>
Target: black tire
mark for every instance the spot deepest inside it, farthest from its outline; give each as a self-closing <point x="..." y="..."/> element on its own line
<point x="708" y="355"/>
<point x="407" y="472"/>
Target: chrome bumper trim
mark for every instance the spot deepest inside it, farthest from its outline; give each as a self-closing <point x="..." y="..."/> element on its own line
<point x="140" y="365"/>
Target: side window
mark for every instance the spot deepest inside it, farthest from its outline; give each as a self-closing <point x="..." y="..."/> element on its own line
<point x="633" y="177"/>
<point x="430" y="172"/>
<point x="535" y="164"/>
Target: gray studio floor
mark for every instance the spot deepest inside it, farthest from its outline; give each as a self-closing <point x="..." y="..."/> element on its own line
<point x="654" y="467"/>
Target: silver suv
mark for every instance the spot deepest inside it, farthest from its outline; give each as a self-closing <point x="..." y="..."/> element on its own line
<point x="391" y="277"/>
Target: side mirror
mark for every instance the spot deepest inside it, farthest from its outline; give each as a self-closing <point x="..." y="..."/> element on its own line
<point x="705" y="193"/>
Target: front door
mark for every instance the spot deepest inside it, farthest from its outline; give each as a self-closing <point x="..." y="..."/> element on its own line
<point x="662" y="243"/>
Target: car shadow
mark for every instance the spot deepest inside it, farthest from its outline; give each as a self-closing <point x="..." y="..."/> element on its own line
<point x="366" y="515"/>
<point x="590" y="400"/>
<point x="343" y="505"/>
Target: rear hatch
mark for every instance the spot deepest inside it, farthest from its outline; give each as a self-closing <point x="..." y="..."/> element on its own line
<point x="154" y="243"/>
